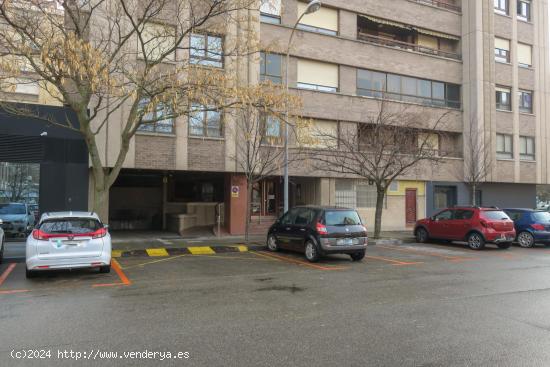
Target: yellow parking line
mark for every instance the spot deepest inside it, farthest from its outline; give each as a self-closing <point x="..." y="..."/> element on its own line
<point x="157" y="252"/>
<point x="202" y="250"/>
<point x="116" y="253"/>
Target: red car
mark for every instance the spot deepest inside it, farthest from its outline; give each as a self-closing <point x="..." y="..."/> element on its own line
<point x="475" y="225"/>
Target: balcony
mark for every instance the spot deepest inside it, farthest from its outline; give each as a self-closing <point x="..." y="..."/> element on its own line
<point x="407" y="37"/>
<point x="448" y="4"/>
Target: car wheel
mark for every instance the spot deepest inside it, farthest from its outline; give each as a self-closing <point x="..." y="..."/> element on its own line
<point x="421" y="235"/>
<point x="105" y="269"/>
<point x="504" y="245"/>
<point x="526" y="239"/>
<point x="312" y="253"/>
<point x="357" y="256"/>
<point x="30" y="274"/>
<point x="272" y="243"/>
<point x="476" y="241"/>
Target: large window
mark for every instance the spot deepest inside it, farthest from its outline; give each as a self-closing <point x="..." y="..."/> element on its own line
<point x="524" y="10"/>
<point x="355" y="194"/>
<point x="205" y="121"/>
<point x="505" y="146"/>
<point x="526" y="148"/>
<point x="19" y="184"/>
<point x="501" y="6"/>
<point x="158" y="119"/>
<point x="325" y="20"/>
<point x="402" y="88"/>
<point x="444" y="197"/>
<point x="525" y="101"/>
<point x="502" y="50"/>
<point x="272" y="130"/>
<point x="503" y="99"/>
<point x="525" y="57"/>
<point x="319" y="134"/>
<point x="270" y="67"/>
<point x="206" y="50"/>
<point x="270" y="11"/>
<point x="317" y="75"/>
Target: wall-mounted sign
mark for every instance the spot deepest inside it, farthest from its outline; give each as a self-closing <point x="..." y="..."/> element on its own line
<point x="235" y="191"/>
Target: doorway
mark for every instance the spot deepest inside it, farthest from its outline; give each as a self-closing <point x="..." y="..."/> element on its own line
<point x="410" y="207"/>
<point x="265" y="198"/>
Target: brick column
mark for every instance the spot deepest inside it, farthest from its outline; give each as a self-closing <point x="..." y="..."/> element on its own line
<point x="235" y="206"/>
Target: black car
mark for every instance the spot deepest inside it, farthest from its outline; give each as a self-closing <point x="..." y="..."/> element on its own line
<point x="318" y="231"/>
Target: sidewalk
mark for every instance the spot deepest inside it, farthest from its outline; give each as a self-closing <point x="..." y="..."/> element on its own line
<point x="141" y="240"/>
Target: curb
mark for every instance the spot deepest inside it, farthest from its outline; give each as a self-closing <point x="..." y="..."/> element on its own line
<point x="191" y="250"/>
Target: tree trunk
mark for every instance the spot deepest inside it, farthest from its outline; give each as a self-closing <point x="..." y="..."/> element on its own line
<point x="474" y="194"/>
<point x="380" y="194"/>
<point x="101" y="200"/>
<point x="248" y="210"/>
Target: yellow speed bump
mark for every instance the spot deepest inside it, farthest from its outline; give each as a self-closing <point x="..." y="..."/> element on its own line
<point x="202" y="250"/>
<point x="157" y="252"/>
<point x="242" y="248"/>
<point x="116" y="253"/>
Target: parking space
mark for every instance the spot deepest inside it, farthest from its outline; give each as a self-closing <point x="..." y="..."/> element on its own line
<point x="168" y="266"/>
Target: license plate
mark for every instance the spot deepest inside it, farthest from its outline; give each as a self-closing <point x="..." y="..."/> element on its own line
<point x="346" y="242"/>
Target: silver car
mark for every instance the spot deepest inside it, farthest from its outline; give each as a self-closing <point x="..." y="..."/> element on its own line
<point x="18" y="219"/>
<point x="68" y="240"/>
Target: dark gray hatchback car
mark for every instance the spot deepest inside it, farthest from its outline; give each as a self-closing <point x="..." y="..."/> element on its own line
<point x="319" y="230"/>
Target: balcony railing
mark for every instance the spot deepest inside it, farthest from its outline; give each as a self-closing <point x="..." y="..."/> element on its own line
<point x="441" y="4"/>
<point x="406" y="46"/>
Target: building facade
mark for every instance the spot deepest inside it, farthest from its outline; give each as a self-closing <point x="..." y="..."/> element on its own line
<point x="483" y="63"/>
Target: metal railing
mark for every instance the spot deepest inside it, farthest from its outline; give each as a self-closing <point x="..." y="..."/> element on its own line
<point x="441" y="4"/>
<point x="406" y="46"/>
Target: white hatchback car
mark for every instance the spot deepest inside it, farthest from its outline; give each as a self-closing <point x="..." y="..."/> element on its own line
<point x="68" y="240"/>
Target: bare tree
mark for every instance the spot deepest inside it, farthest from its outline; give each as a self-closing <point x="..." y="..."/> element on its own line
<point x="387" y="144"/>
<point x="122" y="61"/>
<point x="478" y="162"/>
<point x="259" y="131"/>
<point x="20" y="182"/>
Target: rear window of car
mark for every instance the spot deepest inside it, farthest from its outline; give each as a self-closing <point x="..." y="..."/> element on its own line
<point x="342" y="218"/>
<point x="70" y="225"/>
<point x="12" y="209"/>
<point x="541" y="216"/>
<point x="494" y="215"/>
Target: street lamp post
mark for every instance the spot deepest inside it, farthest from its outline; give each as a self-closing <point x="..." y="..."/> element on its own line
<point x="312" y="7"/>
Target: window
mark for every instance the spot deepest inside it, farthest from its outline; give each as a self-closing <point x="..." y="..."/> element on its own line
<point x="503" y="99"/>
<point x="428" y="141"/>
<point x="501" y="6"/>
<point x="394" y="186"/>
<point x="342" y="218"/>
<point x="270" y="11"/>
<point x="157" y="40"/>
<point x="205" y="121"/>
<point x="317" y="75"/>
<point x="525" y="58"/>
<point x="444" y="215"/>
<point x="355" y="194"/>
<point x="463" y="214"/>
<point x="502" y="50"/>
<point x="525" y="101"/>
<point x="155" y="121"/>
<point x="402" y="88"/>
<point x="26" y="86"/>
<point x="206" y="50"/>
<point x="271" y="130"/>
<point x="270" y="67"/>
<point x="505" y="146"/>
<point x="524" y="10"/>
<point x="444" y="196"/>
<point x="324" y="20"/>
<point x="526" y="148"/>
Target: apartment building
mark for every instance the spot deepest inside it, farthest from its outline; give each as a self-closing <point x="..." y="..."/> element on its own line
<point x="483" y="62"/>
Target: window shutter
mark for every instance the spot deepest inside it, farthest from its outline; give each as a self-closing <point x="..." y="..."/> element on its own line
<point x="325" y="18"/>
<point x="317" y="73"/>
<point x="502" y="44"/>
<point x="524" y="54"/>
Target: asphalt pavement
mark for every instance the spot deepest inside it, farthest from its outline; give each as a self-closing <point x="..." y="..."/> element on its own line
<point x="408" y="305"/>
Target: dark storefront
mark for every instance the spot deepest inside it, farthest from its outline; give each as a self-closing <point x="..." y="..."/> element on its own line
<point x="43" y="164"/>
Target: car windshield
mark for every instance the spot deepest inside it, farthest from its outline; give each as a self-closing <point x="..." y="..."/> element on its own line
<point x="12" y="209"/>
<point x="495" y="215"/>
<point x="70" y="225"/>
<point x="541" y="216"/>
<point x="342" y="218"/>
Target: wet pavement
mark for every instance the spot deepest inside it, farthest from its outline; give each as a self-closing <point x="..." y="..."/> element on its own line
<point x="408" y="305"/>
